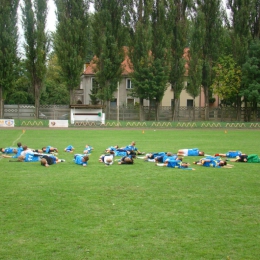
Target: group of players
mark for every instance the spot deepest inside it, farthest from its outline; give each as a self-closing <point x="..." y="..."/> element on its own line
<point x="48" y="156"/>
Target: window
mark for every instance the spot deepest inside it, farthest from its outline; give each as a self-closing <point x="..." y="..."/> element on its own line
<point x="129" y="84"/>
<point x="189" y="102"/>
<point x="152" y="102"/>
<point x="113" y="102"/>
<point x="94" y="86"/>
<point x="130" y="102"/>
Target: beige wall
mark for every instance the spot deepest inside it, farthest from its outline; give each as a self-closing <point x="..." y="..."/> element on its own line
<point x="124" y="94"/>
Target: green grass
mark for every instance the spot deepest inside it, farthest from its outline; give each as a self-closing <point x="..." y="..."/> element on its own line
<point x="135" y="211"/>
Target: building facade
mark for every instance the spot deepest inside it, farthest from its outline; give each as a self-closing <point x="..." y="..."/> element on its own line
<point x="122" y="95"/>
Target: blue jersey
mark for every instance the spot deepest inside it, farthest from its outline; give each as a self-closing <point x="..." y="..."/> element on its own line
<point x="78" y="159"/>
<point x="233" y="154"/>
<point x="177" y="164"/>
<point x="9" y="150"/>
<point x="30" y="157"/>
<point x="120" y="152"/>
<point x="111" y="148"/>
<point x="170" y="157"/>
<point x="19" y="150"/>
<point x="88" y="149"/>
<point x="156" y="155"/>
<point x="211" y="162"/>
<point x="69" y="148"/>
<point x="193" y="152"/>
<point x="48" y="149"/>
<point x="130" y="148"/>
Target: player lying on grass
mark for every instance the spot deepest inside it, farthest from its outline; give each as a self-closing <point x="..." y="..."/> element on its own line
<point x="229" y="154"/>
<point x="126" y="160"/>
<point x="107" y="159"/>
<point x="251" y="158"/>
<point x="190" y="152"/>
<point x="215" y="162"/>
<point x="178" y="164"/>
<point x="81" y="159"/>
<point x="88" y="149"/>
<point x="162" y="158"/>
<point x="69" y="149"/>
<point x="149" y="157"/>
<point x="130" y="147"/>
<point x="48" y="149"/>
<point x="47" y="160"/>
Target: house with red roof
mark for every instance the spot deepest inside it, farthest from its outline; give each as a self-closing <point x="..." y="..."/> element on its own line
<point x="122" y="95"/>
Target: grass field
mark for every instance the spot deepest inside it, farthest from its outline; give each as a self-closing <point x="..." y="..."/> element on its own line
<point x="138" y="211"/>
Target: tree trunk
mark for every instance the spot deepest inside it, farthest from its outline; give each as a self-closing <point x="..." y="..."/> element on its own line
<point x="157" y="105"/>
<point x="141" y="110"/>
<point x="176" y="109"/>
<point x="239" y="108"/>
<point x="206" y="95"/>
<point x="193" y="116"/>
<point x="107" y="109"/>
<point x="1" y="103"/>
<point x="71" y="96"/>
<point x="37" y="96"/>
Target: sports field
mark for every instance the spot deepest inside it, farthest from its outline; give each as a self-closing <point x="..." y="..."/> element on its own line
<point x="138" y="211"/>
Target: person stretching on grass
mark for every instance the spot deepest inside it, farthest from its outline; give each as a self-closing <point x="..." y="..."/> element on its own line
<point x="230" y="154"/>
<point x="149" y="157"/>
<point x="178" y="164"/>
<point x="112" y="148"/>
<point x="48" y="160"/>
<point x="107" y="159"/>
<point x="126" y="160"/>
<point x="81" y="159"/>
<point x="251" y="158"/>
<point x="162" y="158"/>
<point x="190" y="152"/>
<point x="215" y="162"/>
<point x="69" y="149"/>
<point x="88" y="149"/>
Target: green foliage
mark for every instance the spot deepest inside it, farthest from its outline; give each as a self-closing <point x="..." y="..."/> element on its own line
<point x="108" y="40"/>
<point x="55" y="91"/>
<point x="178" y="34"/>
<point x="129" y="212"/>
<point x="8" y="46"/>
<point x="22" y="91"/>
<point x="227" y="81"/>
<point x="36" y="44"/>
<point x="251" y="74"/>
<point x="195" y="76"/>
<point x="140" y="53"/>
<point x="71" y="40"/>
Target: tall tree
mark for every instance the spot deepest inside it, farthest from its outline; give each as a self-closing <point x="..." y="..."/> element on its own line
<point x="194" y="77"/>
<point x="36" y="45"/>
<point x="240" y="35"/>
<point x="210" y="12"/>
<point x="140" y="51"/>
<point x="227" y="81"/>
<point x="8" y="47"/>
<point x="71" y="40"/>
<point x="178" y="33"/>
<point x="108" y="42"/>
<point x="55" y="90"/>
<point x="251" y="76"/>
<point x="254" y="19"/>
<point x="160" y="54"/>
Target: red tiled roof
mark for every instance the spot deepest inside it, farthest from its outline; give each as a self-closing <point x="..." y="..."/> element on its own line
<point x="126" y="64"/>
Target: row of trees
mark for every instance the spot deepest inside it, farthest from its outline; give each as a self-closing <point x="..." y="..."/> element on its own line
<point x="223" y="57"/>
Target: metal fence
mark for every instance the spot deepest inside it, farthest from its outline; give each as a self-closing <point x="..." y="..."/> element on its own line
<point x="124" y="113"/>
<point x="54" y="112"/>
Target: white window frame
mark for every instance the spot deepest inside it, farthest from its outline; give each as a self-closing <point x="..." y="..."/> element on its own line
<point x="130" y="83"/>
<point x="129" y="98"/>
